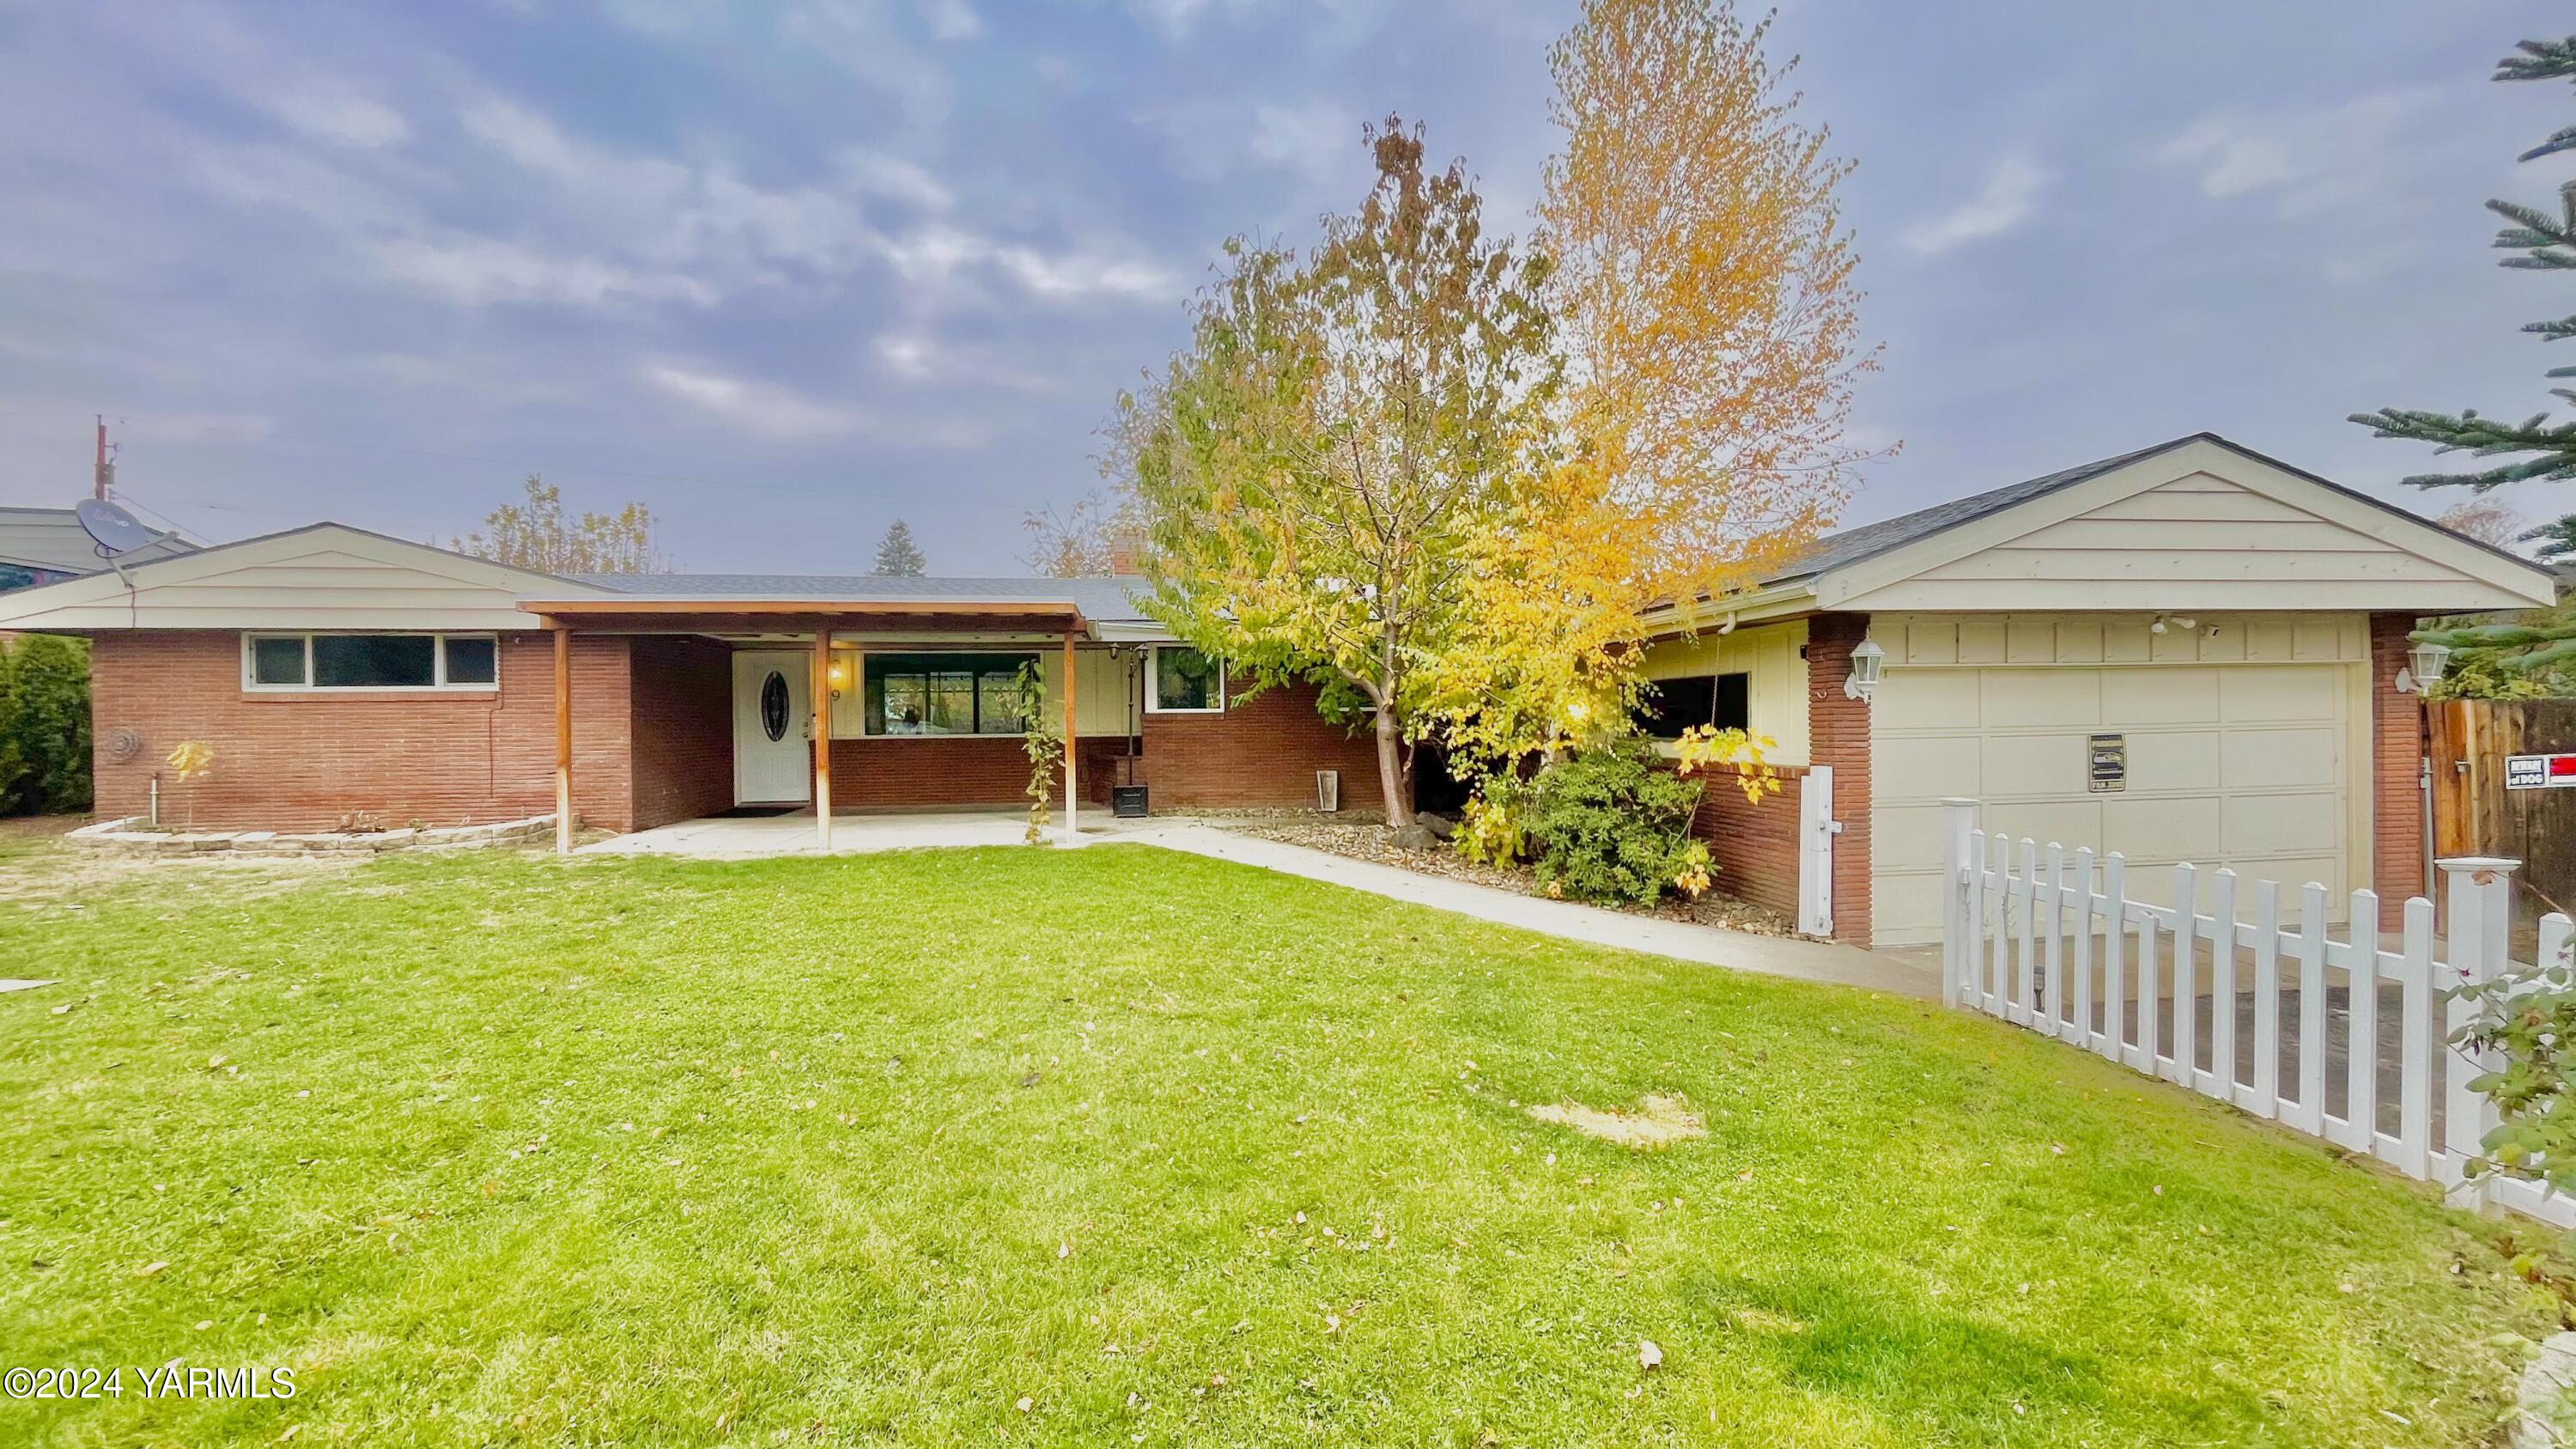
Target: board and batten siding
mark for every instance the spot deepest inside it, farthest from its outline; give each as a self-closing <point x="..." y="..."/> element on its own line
<point x="1775" y="658"/>
<point x="2198" y="541"/>
<point x="2248" y="740"/>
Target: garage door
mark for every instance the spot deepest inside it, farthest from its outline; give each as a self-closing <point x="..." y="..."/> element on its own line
<point x="2246" y="765"/>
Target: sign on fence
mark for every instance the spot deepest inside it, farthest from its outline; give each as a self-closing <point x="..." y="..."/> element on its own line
<point x="2250" y="1011"/>
<point x="2538" y="772"/>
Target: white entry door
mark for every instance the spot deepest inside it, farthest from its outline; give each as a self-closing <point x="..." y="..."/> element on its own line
<point x="773" y="751"/>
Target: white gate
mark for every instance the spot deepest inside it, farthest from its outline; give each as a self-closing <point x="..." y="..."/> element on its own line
<point x="2051" y="941"/>
<point x="1817" y="828"/>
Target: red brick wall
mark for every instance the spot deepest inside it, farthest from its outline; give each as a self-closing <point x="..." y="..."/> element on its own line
<point x="1838" y="735"/>
<point x="1755" y="847"/>
<point x="1261" y="752"/>
<point x="682" y="726"/>
<point x="303" y="761"/>
<point x="925" y="770"/>
<point x="2396" y="764"/>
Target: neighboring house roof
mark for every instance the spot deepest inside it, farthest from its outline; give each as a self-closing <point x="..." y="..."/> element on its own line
<point x="1111" y="600"/>
<point x="52" y="539"/>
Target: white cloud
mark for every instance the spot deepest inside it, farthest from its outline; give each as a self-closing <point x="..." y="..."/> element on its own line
<point x="951" y="20"/>
<point x="346" y="119"/>
<point x="781" y="414"/>
<point x="2310" y="162"/>
<point x="785" y="415"/>
<point x="923" y="356"/>
<point x="478" y="271"/>
<point x="1215" y="140"/>
<point x="2012" y="189"/>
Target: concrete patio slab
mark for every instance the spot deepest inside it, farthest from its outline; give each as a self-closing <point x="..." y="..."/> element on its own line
<point x="751" y="837"/>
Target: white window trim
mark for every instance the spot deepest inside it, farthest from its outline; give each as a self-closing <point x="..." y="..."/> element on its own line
<point x="251" y="638"/>
<point x="1154" y="684"/>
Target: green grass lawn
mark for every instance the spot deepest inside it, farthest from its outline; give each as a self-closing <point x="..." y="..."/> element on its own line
<point x="877" y="1150"/>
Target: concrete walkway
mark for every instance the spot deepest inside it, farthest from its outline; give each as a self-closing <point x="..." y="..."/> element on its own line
<point x="1708" y="945"/>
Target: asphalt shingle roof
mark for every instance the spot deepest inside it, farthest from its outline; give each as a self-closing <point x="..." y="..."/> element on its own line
<point x="1851" y="545"/>
<point x="53" y="540"/>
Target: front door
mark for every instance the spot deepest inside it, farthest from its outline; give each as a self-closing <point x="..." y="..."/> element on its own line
<point x="773" y="749"/>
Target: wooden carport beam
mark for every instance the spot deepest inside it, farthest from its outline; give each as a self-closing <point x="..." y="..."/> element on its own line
<point x="822" y="692"/>
<point x="563" y="737"/>
<point x="1072" y="787"/>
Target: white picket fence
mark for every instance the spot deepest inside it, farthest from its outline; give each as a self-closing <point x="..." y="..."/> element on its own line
<point x="2050" y="940"/>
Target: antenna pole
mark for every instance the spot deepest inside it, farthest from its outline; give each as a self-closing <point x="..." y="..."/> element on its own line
<point x="105" y="473"/>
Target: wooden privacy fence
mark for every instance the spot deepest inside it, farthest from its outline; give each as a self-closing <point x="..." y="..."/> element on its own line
<point x="2480" y="809"/>
<point x="2340" y="1039"/>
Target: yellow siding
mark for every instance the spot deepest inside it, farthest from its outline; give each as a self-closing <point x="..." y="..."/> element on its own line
<point x="1773" y="655"/>
<point x="2200" y="540"/>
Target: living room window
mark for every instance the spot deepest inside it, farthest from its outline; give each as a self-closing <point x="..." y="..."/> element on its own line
<point x="944" y="694"/>
<point x="321" y="662"/>
<point x="1183" y="681"/>
<point x="1674" y="705"/>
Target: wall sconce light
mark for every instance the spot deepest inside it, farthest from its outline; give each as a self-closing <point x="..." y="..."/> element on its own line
<point x="2423" y="667"/>
<point x="839" y="677"/>
<point x="1867" y="662"/>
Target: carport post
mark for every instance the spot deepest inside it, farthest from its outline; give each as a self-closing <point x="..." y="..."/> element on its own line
<point x="821" y="691"/>
<point x="563" y="736"/>
<point x="1072" y="788"/>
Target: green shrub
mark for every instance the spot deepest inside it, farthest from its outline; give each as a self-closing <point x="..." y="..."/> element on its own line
<point x="44" y="726"/>
<point x="1612" y="824"/>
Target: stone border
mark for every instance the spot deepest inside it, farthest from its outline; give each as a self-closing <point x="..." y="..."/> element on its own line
<point x="124" y="835"/>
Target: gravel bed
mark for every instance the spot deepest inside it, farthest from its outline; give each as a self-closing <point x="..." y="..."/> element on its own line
<point x="1371" y="842"/>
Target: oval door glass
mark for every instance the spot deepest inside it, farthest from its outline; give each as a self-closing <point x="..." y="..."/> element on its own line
<point x="773" y="705"/>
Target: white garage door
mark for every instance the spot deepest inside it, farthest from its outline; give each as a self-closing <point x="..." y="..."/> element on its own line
<point x="2245" y="765"/>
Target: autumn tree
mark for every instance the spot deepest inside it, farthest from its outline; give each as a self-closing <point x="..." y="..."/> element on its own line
<point x="1099" y="535"/>
<point x="1702" y="289"/>
<point x="2484" y="519"/>
<point x="1342" y="424"/>
<point x="535" y="534"/>
<point x="897" y="555"/>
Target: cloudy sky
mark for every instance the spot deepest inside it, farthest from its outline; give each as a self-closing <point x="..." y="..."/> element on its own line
<point x="787" y="271"/>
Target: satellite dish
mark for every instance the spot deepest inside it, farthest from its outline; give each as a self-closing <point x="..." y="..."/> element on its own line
<point x="113" y="529"/>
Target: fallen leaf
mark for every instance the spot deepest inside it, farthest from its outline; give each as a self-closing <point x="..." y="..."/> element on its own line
<point x="1649" y="1354"/>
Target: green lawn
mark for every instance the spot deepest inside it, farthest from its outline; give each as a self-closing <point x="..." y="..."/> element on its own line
<point x="498" y="1150"/>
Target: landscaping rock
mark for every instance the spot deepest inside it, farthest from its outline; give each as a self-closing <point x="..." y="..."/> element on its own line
<point x="1416" y="837"/>
<point x="1439" y="825"/>
<point x="2547" y="1410"/>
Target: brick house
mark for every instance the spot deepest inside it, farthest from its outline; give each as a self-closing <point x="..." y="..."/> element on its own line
<point x="2189" y="652"/>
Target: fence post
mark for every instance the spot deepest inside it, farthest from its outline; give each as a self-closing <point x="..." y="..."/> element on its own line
<point x="1958" y="820"/>
<point x="2480" y="915"/>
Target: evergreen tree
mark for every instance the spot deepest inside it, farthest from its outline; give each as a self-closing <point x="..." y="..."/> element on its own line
<point x="2544" y="242"/>
<point x="898" y="556"/>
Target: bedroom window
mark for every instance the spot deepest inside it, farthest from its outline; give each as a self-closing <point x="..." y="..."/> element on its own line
<point x="319" y="662"/>
<point x="1674" y="705"/>
<point x="944" y="694"/>
<point x="1183" y="681"/>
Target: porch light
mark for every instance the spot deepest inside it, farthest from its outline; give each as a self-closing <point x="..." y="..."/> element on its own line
<point x="1867" y="660"/>
<point x="2424" y="665"/>
<point x="839" y="675"/>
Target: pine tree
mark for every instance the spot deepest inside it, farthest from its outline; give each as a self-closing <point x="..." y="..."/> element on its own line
<point x="2545" y="243"/>
<point x="898" y="557"/>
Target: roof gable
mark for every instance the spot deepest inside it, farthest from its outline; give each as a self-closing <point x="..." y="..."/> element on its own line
<point x="326" y="576"/>
<point x="2196" y="524"/>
